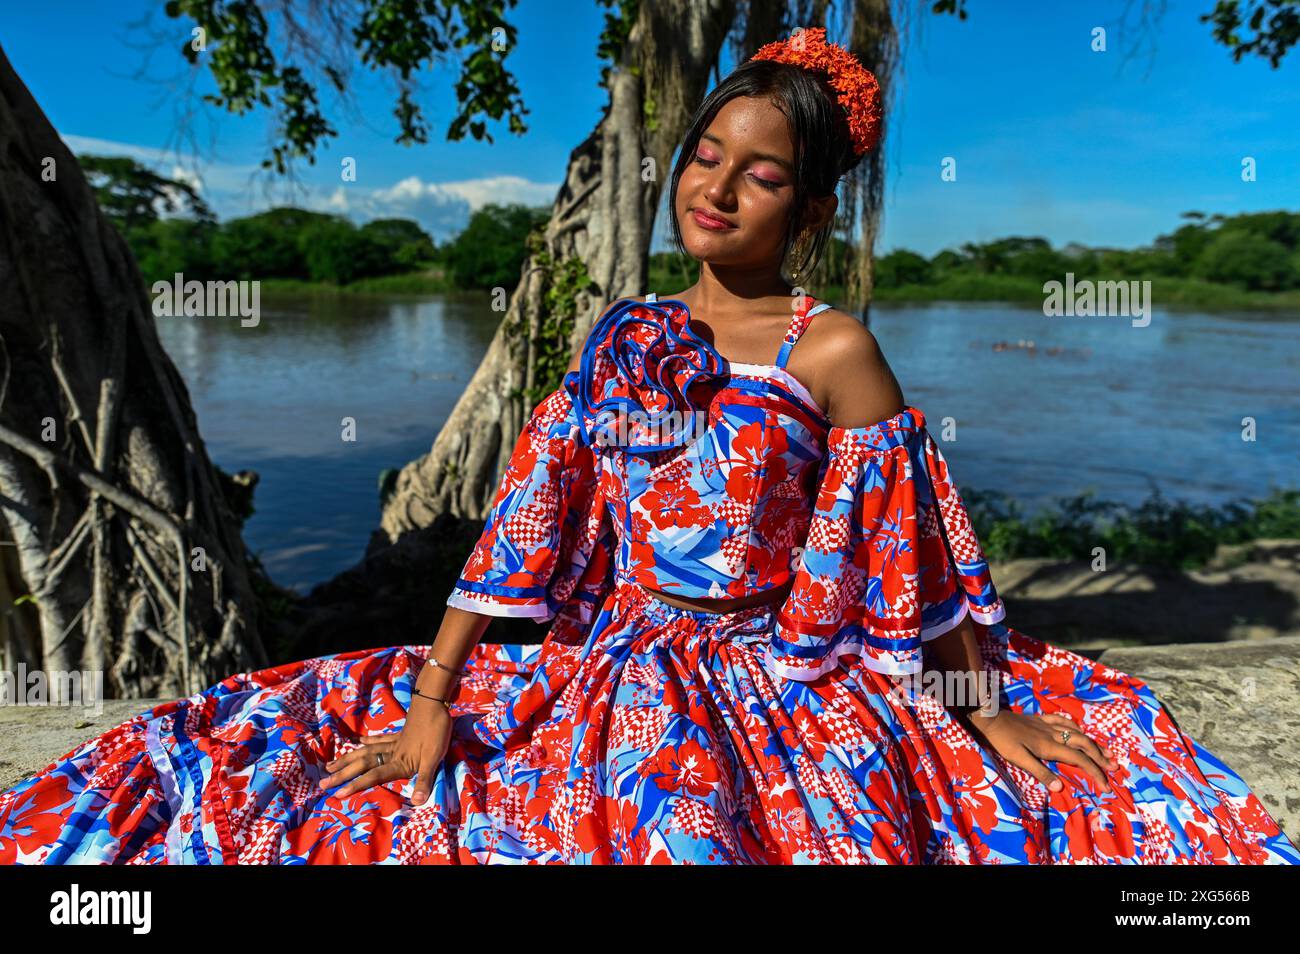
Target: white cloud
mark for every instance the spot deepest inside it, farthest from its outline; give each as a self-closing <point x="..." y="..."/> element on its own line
<point x="209" y="178"/>
<point x="442" y="208"/>
<point x="503" y="190"/>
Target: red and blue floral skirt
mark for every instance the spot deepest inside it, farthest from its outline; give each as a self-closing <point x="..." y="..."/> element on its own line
<point x="653" y="736"/>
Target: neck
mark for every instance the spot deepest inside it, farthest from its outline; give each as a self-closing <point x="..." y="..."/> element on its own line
<point x="724" y="288"/>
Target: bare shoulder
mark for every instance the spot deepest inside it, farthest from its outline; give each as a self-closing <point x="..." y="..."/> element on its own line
<point x="838" y="336"/>
<point x="851" y="371"/>
<point x="575" y="362"/>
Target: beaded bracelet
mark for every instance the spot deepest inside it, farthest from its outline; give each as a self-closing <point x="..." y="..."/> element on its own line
<point x="454" y="672"/>
<point x="445" y="703"/>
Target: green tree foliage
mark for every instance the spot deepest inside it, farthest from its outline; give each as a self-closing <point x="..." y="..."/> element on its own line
<point x="278" y="55"/>
<point x="1258" y="251"/>
<point x="902" y="268"/>
<point x="490" y="251"/>
<point x="945" y="262"/>
<point x="168" y="246"/>
<point x="312" y="246"/>
<point x="1271" y="27"/>
<point x="265" y="245"/>
<point x="1185" y="243"/>
<point x="403" y="241"/>
<point x="132" y="195"/>
<point x="1246" y="259"/>
<point x="279" y="243"/>
<point x="337" y="251"/>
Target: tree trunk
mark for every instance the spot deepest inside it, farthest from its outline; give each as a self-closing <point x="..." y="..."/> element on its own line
<point x="120" y="528"/>
<point x="875" y="41"/>
<point x="592" y="251"/>
<point x="873" y="38"/>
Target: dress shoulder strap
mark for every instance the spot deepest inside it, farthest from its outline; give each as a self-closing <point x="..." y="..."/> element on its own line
<point x="798" y="325"/>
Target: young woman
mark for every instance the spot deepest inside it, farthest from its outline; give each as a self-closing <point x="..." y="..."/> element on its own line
<point x="753" y="560"/>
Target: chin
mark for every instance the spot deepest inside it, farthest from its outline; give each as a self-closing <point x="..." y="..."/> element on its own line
<point x="705" y="246"/>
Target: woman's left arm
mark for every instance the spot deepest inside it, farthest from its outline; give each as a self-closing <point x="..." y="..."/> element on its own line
<point x="957" y="652"/>
<point x="859" y="389"/>
<point x="1023" y="740"/>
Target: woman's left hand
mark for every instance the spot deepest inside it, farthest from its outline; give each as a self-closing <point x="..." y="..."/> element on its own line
<point x="1024" y="740"/>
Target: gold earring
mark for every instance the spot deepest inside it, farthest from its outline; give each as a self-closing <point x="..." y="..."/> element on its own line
<point x="797" y="252"/>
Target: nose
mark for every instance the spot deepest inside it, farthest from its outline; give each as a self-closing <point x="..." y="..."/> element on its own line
<point x="718" y="188"/>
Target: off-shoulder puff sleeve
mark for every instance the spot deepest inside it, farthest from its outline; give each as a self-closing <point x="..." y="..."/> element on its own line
<point x="891" y="558"/>
<point x="546" y="540"/>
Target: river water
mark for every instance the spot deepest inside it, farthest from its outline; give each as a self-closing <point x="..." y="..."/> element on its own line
<point x="1097" y="403"/>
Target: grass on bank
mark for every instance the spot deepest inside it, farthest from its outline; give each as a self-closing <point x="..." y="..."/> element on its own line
<point x="1158" y="532"/>
<point x="1179" y="292"/>
<point x="1165" y="291"/>
<point x="407" y="283"/>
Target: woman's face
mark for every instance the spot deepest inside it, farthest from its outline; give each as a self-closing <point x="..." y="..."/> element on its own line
<point x="736" y="194"/>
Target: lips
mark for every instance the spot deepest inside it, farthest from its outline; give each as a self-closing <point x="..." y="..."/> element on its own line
<point x="707" y="220"/>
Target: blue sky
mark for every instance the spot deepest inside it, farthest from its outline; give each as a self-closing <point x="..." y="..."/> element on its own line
<point x="1051" y="139"/>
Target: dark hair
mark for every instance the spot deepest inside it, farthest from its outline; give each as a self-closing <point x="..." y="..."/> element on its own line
<point x="823" y="148"/>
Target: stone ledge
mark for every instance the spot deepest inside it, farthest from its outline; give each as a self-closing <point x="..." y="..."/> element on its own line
<point x="1237" y="699"/>
<point x="35" y="736"/>
<point x="1254" y="728"/>
<point x="1248" y="592"/>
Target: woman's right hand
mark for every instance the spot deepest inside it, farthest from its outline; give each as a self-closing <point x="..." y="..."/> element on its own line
<point x="418" y="749"/>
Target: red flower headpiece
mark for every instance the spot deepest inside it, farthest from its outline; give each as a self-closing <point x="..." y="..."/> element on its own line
<point x="855" y="85"/>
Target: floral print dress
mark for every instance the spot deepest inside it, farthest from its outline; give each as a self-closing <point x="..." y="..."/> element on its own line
<point x="638" y="732"/>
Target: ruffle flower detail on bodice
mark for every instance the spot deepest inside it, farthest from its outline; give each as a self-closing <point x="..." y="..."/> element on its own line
<point x="646" y="380"/>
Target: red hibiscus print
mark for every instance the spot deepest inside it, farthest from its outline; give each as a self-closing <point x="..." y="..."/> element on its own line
<point x="687" y="768"/>
<point x="752" y="448"/>
<point x="673" y="504"/>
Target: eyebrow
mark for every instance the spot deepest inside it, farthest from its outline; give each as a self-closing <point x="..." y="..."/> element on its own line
<point x="783" y="163"/>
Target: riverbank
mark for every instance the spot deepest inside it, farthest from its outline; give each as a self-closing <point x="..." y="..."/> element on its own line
<point x="1247" y="592"/>
<point x="409" y="283"/>
<point x="1156" y="531"/>
<point x="1166" y="293"/>
<point x="1171" y="293"/>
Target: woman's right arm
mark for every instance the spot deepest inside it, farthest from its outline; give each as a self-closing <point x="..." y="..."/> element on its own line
<point x="549" y="472"/>
<point x="459" y="633"/>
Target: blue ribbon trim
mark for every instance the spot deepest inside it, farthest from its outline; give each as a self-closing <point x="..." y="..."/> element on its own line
<point x="651" y="368"/>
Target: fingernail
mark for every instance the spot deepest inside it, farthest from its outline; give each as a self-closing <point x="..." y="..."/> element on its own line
<point x="1056" y="785"/>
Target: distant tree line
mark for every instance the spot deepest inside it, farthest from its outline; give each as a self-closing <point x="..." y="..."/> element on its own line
<point x="170" y="229"/>
<point x="1257" y="251"/>
<point x="280" y="243"/>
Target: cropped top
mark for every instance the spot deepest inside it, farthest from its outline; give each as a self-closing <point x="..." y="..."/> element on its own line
<point x="662" y="463"/>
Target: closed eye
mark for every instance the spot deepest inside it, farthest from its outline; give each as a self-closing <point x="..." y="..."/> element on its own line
<point x="766" y="183"/>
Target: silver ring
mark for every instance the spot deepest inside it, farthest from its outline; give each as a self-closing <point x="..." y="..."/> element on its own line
<point x="1065" y="736"/>
<point x="380" y="756"/>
